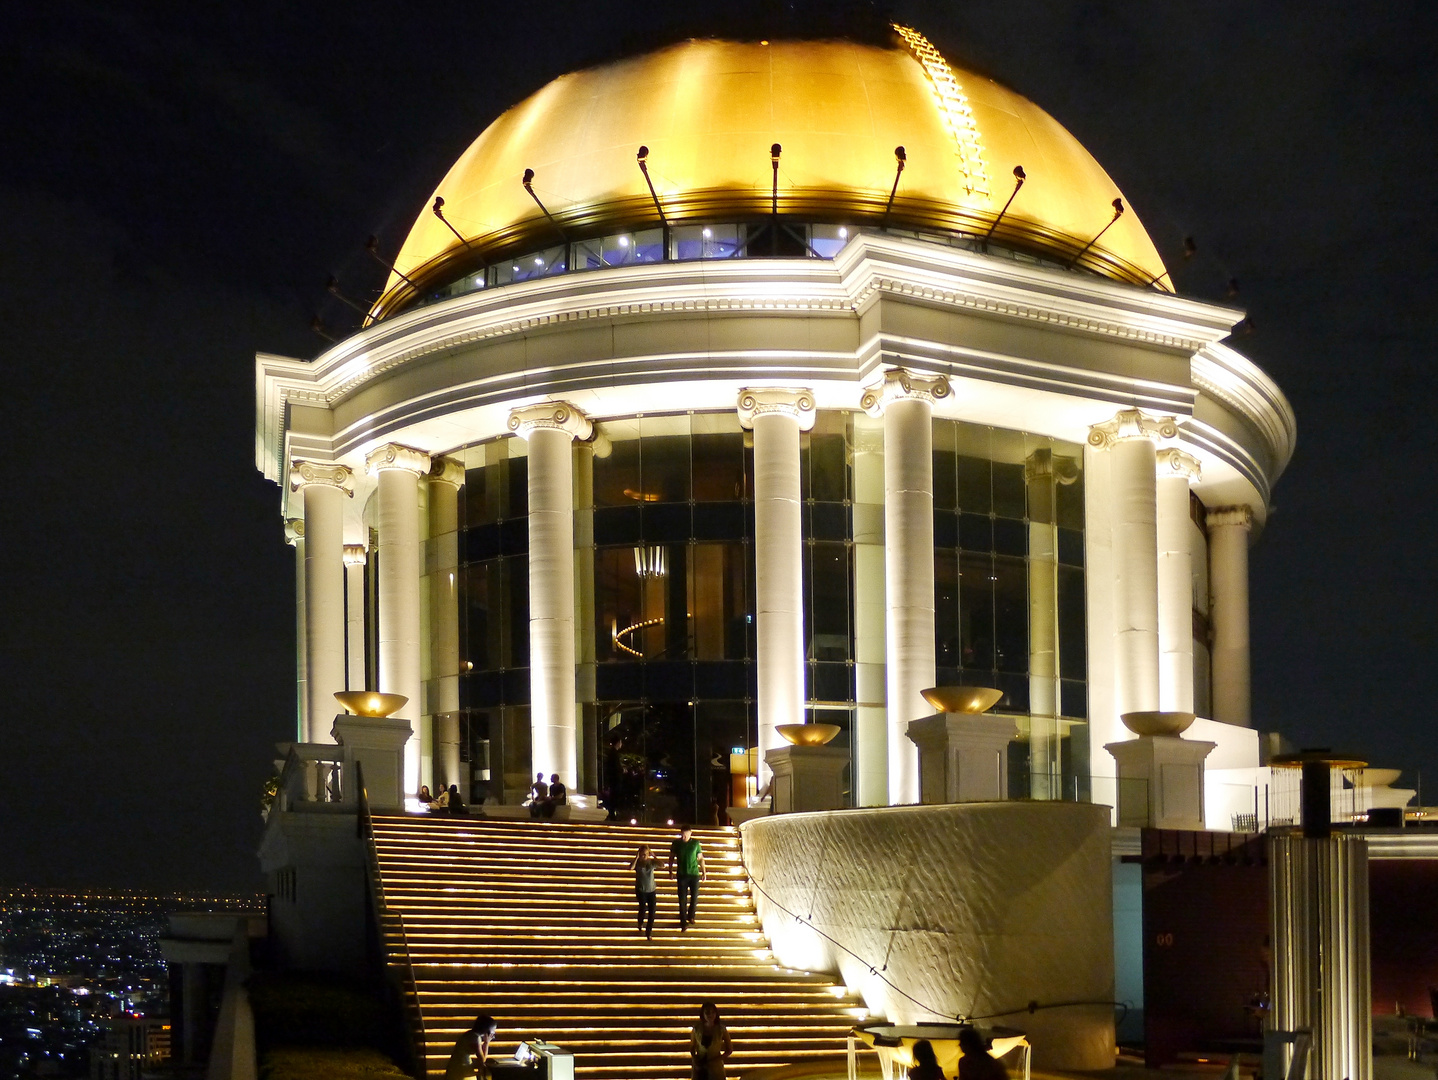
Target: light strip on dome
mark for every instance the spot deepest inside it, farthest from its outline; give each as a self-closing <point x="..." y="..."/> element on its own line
<point x="954" y="107"/>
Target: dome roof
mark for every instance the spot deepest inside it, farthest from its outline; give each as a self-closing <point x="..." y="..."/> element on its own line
<point x="708" y="111"/>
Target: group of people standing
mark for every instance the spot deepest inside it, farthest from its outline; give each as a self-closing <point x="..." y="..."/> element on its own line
<point x="688" y="854"/>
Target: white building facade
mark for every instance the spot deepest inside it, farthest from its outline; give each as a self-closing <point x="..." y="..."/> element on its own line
<point x="662" y="447"/>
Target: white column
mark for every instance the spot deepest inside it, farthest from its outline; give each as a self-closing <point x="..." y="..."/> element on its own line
<point x="1043" y="473"/>
<point x="1104" y="725"/>
<point x="1129" y="440"/>
<point x="399" y="469"/>
<point x="1176" y="470"/>
<point x="906" y="402"/>
<point x="776" y="418"/>
<point x="550" y="429"/>
<point x="446" y="477"/>
<point x="295" y="537"/>
<point x="870" y="770"/>
<point x="356" y="559"/>
<point x="324" y="489"/>
<point x="1228" y="528"/>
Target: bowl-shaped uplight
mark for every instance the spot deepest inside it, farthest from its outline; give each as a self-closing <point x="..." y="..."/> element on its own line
<point x="370" y="702"/>
<point x="1157" y="723"/>
<point x="962" y="699"/>
<point x="808" y="734"/>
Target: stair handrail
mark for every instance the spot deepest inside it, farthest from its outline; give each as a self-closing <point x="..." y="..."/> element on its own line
<point x="409" y="991"/>
<point x="878" y="972"/>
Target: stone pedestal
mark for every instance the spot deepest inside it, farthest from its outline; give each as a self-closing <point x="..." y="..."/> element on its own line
<point x="377" y="746"/>
<point x="962" y="758"/>
<point x="1160" y="781"/>
<point x="807" y="777"/>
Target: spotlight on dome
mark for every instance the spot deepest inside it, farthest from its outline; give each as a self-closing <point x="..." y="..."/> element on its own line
<point x="438" y="210"/>
<point x="900" y="160"/>
<point x="528" y="182"/>
<point x="1117" y="205"/>
<point x="372" y="247"/>
<point x="774" y="152"/>
<point x="1019" y="177"/>
<point x="643" y="158"/>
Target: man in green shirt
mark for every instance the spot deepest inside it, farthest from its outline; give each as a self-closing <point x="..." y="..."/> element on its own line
<point x="689" y="854"/>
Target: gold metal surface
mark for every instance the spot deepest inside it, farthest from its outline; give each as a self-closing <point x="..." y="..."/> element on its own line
<point x="1157" y="723"/>
<point x="962" y="699"/>
<point x="370" y="702"/>
<point x="709" y="111"/>
<point x="808" y="734"/>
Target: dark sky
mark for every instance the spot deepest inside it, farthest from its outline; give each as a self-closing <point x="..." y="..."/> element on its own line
<point x="177" y="183"/>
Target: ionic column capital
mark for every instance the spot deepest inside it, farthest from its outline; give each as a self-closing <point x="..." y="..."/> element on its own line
<point x="783" y="401"/>
<point x="394" y="456"/>
<point x="355" y="555"/>
<point x="1219" y="516"/>
<point x="443" y="470"/>
<point x="303" y="473"/>
<point x="1132" y="424"/>
<point x="898" y="385"/>
<point x="294" y="530"/>
<point x="551" y="415"/>
<point x="1175" y="462"/>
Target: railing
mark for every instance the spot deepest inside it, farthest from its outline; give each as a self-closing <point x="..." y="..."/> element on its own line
<point x="399" y="966"/>
<point x="315" y="778"/>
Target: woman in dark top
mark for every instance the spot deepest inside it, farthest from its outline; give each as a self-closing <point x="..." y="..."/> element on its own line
<point x="926" y="1065"/>
<point x="645" y="890"/>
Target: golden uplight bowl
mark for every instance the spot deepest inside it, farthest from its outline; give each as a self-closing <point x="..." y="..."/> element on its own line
<point x="1157" y="723"/>
<point x="808" y="734"/>
<point x="370" y="702"/>
<point x="962" y="699"/>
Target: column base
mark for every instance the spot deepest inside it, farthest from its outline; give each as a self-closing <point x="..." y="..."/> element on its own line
<point x="807" y="778"/>
<point x="377" y="746"/>
<point x="962" y="758"/>
<point x="1160" y="781"/>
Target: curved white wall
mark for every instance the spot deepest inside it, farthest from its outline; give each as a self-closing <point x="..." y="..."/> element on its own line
<point x="972" y="908"/>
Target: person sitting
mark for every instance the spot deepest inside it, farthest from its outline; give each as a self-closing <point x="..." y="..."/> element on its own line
<point x="441" y="801"/>
<point x="470" y="1056"/>
<point x="976" y="1062"/>
<point x="558" y="796"/>
<point x="453" y="803"/>
<point x="425" y="799"/>
<point x="926" y="1064"/>
<point x="538" y="796"/>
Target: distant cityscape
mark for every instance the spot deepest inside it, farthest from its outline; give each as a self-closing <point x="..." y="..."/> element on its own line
<point x="79" y="970"/>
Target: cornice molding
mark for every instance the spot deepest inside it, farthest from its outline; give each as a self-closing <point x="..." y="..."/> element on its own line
<point x="782" y="401"/>
<point x="900" y="385"/>
<point x="550" y="415"/>
<point x="394" y="456"/>
<point x="307" y="473"/>
<point x="1175" y="462"/>
<point x="1130" y="424"/>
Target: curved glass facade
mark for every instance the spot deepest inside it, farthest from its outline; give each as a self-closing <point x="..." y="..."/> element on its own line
<point x="664" y="529"/>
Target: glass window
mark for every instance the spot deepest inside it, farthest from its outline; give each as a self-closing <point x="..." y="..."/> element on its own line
<point x="535" y="264"/>
<point x="717" y="608"/>
<point x="828" y="240"/>
<point x="976" y="610"/>
<point x="947" y="649"/>
<point x="706" y="241"/>
<point x="1011" y="614"/>
<point x="616" y="474"/>
<point x="829" y="575"/>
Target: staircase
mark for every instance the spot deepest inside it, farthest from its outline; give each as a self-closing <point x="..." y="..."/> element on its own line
<point x="533" y="923"/>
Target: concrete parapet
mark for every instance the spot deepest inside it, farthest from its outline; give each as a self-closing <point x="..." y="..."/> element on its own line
<point x="932" y="912"/>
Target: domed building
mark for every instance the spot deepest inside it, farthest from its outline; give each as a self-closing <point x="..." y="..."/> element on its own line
<point x="748" y="384"/>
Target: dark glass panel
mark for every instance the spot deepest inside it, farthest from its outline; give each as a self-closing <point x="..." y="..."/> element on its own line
<point x="514" y="535"/>
<point x="1011" y="537"/>
<point x="666" y="680"/>
<point x="1016" y="692"/>
<point x="976" y="610"/>
<point x="483" y="688"/>
<point x="482" y="489"/>
<point x="833" y="682"/>
<point x="1070" y="502"/>
<point x="717" y="601"/>
<point x="618" y="605"/>
<point x="829" y="577"/>
<point x="622" y="681"/>
<point x="976" y="532"/>
<point x="946" y="529"/>
<point x="516" y="504"/>
<point x="1074" y="695"/>
<point x="1010" y="499"/>
<point x="664" y="468"/>
<point x="516" y="585"/>
<point x="718" y="467"/>
<point x="947" y="645"/>
<point x="718" y="521"/>
<point x="1071" y="547"/>
<point x="829" y="470"/>
<point x="721" y="727"/>
<point x="482" y="543"/>
<point x="666" y="523"/>
<point x="1073" y="635"/>
<point x="1011" y="614"/>
<point x="616" y="476"/>
<point x="974" y="489"/>
<point x="617" y="525"/>
<point x="485" y="621"/>
<point x="949" y="676"/>
<point x="675" y="587"/>
<point x="828" y="521"/>
<point x="515" y="756"/>
<point x="516" y="685"/>
<point x="946" y="489"/>
<point x="719" y="679"/>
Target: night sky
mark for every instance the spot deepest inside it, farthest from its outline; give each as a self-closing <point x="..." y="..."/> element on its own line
<point x="177" y="184"/>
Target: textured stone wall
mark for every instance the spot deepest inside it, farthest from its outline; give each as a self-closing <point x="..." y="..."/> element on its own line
<point x="971" y="909"/>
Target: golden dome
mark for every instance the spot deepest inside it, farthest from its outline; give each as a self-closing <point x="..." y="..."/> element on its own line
<point x="708" y="110"/>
